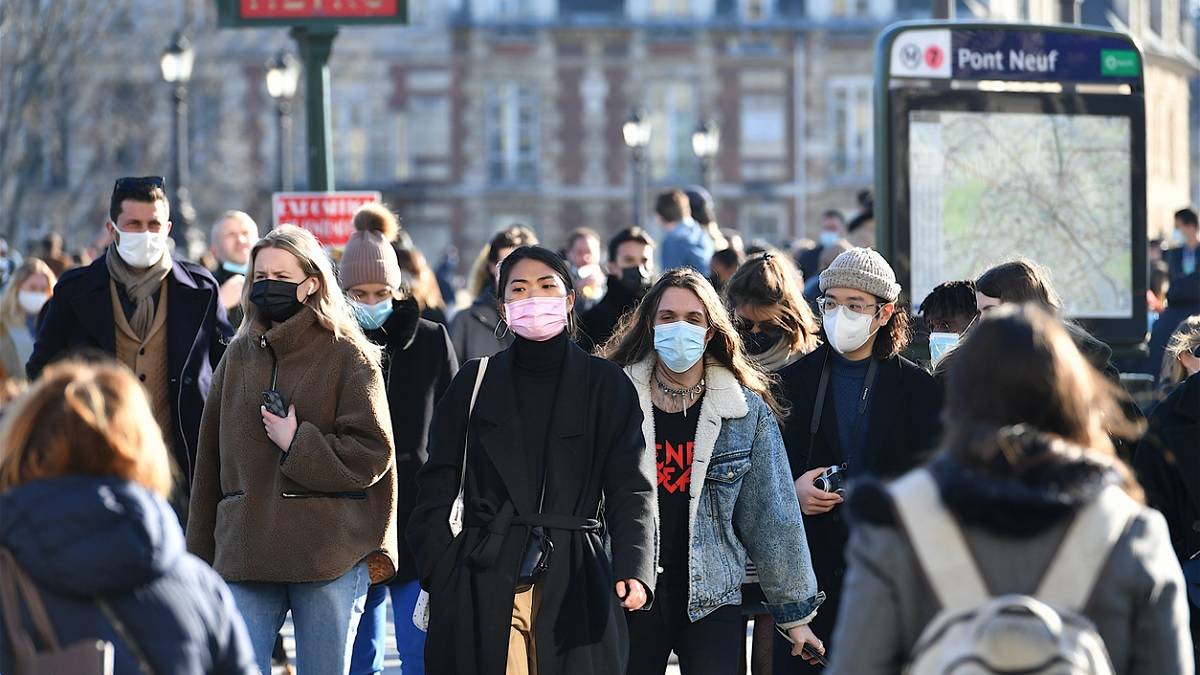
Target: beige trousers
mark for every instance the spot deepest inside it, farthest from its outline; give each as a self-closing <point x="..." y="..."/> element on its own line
<point x="522" y="651"/>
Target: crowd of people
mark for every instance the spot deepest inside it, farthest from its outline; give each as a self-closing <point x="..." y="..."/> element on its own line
<point x="614" y="452"/>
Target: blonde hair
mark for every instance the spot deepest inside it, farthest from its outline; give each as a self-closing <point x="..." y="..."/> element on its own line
<point x="83" y="419"/>
<point x="11" y="313"/>
<point x="329" y="303"/>
<point x="1185" y="338"/>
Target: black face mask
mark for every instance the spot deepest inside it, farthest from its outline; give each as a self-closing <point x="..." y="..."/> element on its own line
<point x="635" y="282"/>
<point x="762" y="341"/>
<point x="275" y="299"/>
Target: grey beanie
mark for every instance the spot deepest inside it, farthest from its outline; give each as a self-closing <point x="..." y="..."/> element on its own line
<point x="862" y="269"/>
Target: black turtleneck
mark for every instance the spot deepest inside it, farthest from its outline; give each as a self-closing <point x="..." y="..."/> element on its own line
<point x="536" y="369"/>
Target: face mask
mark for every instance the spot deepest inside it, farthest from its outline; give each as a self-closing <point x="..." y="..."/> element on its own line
<point x="635" y="281"/>
<point x="828" y="238"/>
<point x="141" y="249"/>
<point x="679" y="345"/>
<point x="275" y="299"/>
<point x="372" y="317"/>
<point x="234" y="268"/>
<point x="537" y="319"/>
<point x="761" y="342"/>
<point x="1177" y="237"/>
<point x="31" y="301"/>
<point x="846" y="330"/>
<point x="940" y="343"/>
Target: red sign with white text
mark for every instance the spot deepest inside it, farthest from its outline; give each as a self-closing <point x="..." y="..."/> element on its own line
<point x="328" y="215"/>
<point x="313" y="9"/>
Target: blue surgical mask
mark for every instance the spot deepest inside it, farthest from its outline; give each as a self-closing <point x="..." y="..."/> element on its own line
<point x="828" y="238"/>
<point x="940" y="343"/>
<point x="372" y="317"/>
<point x="679" y="345"/>
<point x="234" y="268"/>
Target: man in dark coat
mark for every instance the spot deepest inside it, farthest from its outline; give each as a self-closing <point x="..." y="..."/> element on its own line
<point x="115" y="306"/>
<point x="1168" y="466"/>
<point x="630" y="275"/>
<point x="879" y="415"/>
<point x="597" y="450"/>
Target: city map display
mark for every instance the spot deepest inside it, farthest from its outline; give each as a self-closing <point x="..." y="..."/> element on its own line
<point x="989" y="187"/>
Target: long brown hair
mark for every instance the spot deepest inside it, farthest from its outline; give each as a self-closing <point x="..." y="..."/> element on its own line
<point x="421" y="281"/>
<point x="88" y="419"/>
<point x="1019" y="280"/>
<point x="770" y="280"/>
<point x="1019" y="368"/>
<point x="633" y="340"/>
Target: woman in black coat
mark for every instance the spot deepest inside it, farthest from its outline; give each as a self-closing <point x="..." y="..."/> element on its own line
<point x="547" y="414"/>
<point x="882" y="405"/>
<point x="1168" y="465"/>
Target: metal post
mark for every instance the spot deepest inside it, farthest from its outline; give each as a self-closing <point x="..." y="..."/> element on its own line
<point x="284" y="111"/>
<point x="181" y="219"/>
<point x="944" y="9"/>
<point x="1070" y="11"/>
<point x="639" y="214"/>
<point x="315" y="45"/>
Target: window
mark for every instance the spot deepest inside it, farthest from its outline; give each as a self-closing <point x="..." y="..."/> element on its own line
<point x="670" y="8"/>
<point x="851" y="130"/>
<point x="756" y="10"/>
<point x="850" y="8"/>
<point x="422" y="139"/>
<point x="764" y="221"/>
<point x="351" y="122"/>
<point x="511" y="118"/>
<point x="764" y="126"/>
<point x="673" y="118"/>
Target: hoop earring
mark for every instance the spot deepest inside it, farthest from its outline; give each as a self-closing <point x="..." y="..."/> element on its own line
<point x="500" y="334"/>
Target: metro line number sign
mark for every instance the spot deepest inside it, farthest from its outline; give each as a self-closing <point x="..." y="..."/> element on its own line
<point x="328" y="215"/>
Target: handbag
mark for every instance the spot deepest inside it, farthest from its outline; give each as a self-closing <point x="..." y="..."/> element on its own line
<point x="86" y="657"/>
<point x="420" y="615"/>
<point x="539" y="547"/>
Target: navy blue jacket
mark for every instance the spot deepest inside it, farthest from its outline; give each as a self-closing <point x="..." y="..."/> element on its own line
<point x="80" y="537"/>
<point x="80" y="317"/>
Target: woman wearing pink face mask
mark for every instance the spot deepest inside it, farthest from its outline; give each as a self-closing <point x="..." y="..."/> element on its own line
<point x="545" y="431"/>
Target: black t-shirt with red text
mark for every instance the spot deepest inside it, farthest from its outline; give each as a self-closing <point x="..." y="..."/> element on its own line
<point x="674" y="444"/>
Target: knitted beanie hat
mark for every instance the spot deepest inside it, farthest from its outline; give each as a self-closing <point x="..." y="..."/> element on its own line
<point x="862" y="269"/>
<point x="369" y="257"/>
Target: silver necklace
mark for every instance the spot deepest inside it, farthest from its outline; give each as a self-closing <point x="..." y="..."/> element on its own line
<point x="687" y="395"/>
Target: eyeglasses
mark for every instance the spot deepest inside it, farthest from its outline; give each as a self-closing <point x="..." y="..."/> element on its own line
<point x="135" y="182"/>
<point x="829" y="306"/>
<point x="749" y="326"/>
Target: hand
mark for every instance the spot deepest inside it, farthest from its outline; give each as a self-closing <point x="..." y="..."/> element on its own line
<point x="801" y="636"/>
<point x="231" y="291"/>
<point x="632" y="594"/>
<point x="281" y="430"/>
<point x="814" y="501"/>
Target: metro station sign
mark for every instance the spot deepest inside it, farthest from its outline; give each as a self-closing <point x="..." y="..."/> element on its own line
<point x="250" y="13"/>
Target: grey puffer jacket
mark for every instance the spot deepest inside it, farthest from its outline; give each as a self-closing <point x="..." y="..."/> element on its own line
<point x="473" y="330"/>
<point x="1013" y="530"/>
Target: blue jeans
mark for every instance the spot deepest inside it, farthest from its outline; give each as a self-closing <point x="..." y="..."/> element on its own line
<point x="372" y="632"/>
<point x="325" y="614"/>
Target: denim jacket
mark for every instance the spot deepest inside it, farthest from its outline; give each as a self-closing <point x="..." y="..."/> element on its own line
<point x="746" y="505"/>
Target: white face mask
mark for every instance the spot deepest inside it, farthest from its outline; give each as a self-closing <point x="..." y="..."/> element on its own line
<point x="846" y="330"/>
<point x="31" y="301"/>
<point x="141" y="249"/>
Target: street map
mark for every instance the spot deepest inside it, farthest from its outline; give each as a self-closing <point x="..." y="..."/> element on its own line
<point x="1056" y="189"/>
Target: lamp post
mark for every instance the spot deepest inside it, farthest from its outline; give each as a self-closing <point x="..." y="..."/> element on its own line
<point x="636" y="132"/>
<point x="177" y="61"/>
<point x="706" y="140"/>
<point x="283" y="74"/>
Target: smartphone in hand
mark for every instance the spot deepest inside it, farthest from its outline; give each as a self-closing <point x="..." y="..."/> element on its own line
<point x="807" y="653"/>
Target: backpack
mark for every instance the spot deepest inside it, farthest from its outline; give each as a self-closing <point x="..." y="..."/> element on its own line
<point x="976" y="633"/>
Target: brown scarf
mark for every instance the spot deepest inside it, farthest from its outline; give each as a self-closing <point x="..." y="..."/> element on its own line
<point x="140" y="286"/>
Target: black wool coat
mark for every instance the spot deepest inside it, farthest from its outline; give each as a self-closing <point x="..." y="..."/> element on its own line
<point x="419" y="363"/>
<point x="597" y="324"/>
<point x="79" y="318"/>
<point x="597" y="456"/>
<point x="902" y="429"/>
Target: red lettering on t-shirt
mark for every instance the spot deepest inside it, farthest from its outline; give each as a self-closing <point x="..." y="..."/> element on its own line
<point x="675" y="465"/>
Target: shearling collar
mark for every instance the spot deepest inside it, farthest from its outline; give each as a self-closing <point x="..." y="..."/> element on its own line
<point x="287" y="336"/>
<point x="723" y="395"/>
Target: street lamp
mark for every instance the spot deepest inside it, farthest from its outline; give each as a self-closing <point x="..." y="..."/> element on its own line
<point x="636" y="132"/>
<point x="283" y="74"/>
<point x="177" y="61"/>
<point x="706" y="140"/>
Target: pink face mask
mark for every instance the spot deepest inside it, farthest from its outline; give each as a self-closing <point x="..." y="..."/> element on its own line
<point x="537" y="319"/>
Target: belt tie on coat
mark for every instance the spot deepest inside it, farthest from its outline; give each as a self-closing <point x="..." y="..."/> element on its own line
<point x="497" y="522"/>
